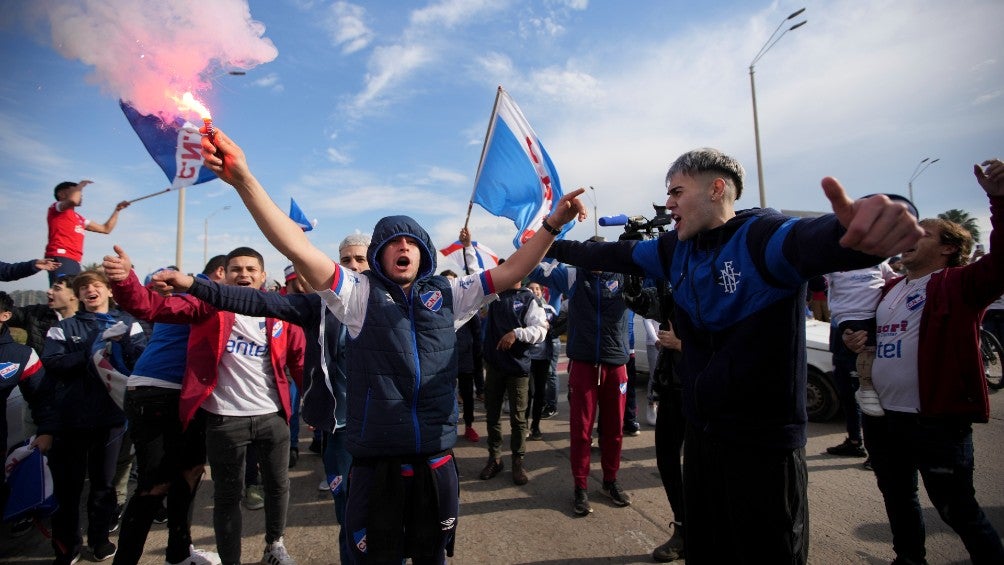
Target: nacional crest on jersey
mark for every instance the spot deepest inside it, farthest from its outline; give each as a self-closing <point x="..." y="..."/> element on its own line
<point x="8" y="370"/>
<point x="613" y="285"/>
<point x="277" y="329"/>
<point x="915" y="301"/>
<point x="433" y="300"/>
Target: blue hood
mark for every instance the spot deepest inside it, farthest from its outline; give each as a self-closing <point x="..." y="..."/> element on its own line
<point x="390" y="227"/>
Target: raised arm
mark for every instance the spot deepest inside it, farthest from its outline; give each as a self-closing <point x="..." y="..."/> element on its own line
<point x="144" y="303"/>
<point x="109" y="225"/>
<point x="529" y="255"/>
<point x="227" y="160"/>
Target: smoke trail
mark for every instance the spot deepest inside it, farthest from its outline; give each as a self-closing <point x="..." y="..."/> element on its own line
<point x="145" y="52"/>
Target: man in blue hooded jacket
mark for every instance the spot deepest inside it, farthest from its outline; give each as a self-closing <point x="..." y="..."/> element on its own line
<point x="401" y="358"/>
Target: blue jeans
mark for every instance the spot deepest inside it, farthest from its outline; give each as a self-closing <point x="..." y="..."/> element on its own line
<point x="551" y="394"/>
<point x="227" y="440"/>
<point x="940" y="449"/>
<point x="337" y="462"/>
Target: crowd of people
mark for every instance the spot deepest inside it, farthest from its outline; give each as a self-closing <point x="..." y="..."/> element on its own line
<point x="373" y="348"/>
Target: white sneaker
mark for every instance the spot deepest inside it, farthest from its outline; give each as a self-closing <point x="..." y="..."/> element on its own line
<point x="198" y="557"/>
<point x="652" y="413"/>
<point x="868" y="402"/>
<point x="276" y="554"/>
<point x="323" y="486"/>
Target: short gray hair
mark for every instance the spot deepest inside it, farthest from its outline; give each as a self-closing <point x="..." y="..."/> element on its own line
<point x="357" y="238"/>
<point x="709" y="160"/>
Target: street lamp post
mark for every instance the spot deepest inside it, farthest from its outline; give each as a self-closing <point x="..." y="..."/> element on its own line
<point x="774" y="38"/>
<point x="205" y="235"/>
<point x="920" y="168"/>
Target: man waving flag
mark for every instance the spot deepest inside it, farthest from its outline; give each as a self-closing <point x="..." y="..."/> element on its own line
<point x="516" y="178"/>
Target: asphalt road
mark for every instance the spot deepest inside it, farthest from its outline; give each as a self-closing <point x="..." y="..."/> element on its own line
<point x="503" y="523"/>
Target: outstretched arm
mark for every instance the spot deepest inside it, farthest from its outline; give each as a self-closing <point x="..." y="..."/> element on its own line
<point x="875" y="225"/>
<point x="227" y="160"/>
<point x="109" y="225"/>
<point x="530" y="254"/>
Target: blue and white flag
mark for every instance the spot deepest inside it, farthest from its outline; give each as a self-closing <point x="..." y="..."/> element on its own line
<point x="297" y="215"/>
<point x="516" y="178"/>
<point x="175" y="146"/>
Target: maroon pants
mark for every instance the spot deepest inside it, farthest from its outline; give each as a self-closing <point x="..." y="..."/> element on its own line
<point x="591" y="386"/>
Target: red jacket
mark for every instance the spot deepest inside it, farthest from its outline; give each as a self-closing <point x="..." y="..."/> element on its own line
<point x="949" y="365"/>
<point x="207" y="340"/>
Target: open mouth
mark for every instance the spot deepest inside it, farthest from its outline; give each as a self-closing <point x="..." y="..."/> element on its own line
<point x="91" y="297"/>
<point x="243" y="283"/>
<point x="403" y="261"/>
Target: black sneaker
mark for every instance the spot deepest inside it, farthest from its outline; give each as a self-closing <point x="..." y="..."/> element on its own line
<point x="315" y="446"/>
<point x="549" y="412"/>
<point x="582" y="507"/>
<point x="116" y="519"/>
<point x="616" y="493"/>
<point x="867" y="464"/>
<point x="535" y="434"/>
<point x="104" y="551"/>
<point x="294" y="456"/>
<point x="848" y="449"/>
<point x="21" y="527"/>
<point x="494" y="467"/>
<point x="632" y="431"/>
<point x="672" y="549"/>
<point x="160" y="516"/>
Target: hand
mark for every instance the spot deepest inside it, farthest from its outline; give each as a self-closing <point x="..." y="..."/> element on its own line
<point x="875" y="225"/>
<point x="507" y="340"/>
<point x="668" y="340"/>
<point x="117" y="267"/>
<point x="568" y="208"/>
<point x="166" y="282"/>
<point x="84" y="183"/>
<point x="990" y="176"/>
<point x="46" y="264"/>
<point x="855" y="340"/>
<point x="225" y="158"/>
<point x="122" y="205"/>
<point x="42" y="442"/>
<point x="465" y="237"/>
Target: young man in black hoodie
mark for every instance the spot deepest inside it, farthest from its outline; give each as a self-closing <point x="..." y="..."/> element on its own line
<point x="739" y="282"/>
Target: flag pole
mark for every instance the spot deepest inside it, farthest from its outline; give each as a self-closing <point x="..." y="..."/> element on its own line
<point x="484" y="149"/>
<point x="168" y="189"/>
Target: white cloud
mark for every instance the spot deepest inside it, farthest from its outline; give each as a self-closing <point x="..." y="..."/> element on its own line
<point x="347" y="27"/>
<point x="451" y="13"/>
<point x="389" y="66"/>
<point x="269" y="82"/>
<point x="338" y="157"/>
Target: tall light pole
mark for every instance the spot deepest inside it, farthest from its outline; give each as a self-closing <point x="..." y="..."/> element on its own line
<point x="774" y="38"/>
<point x="920" y="168"/>
<point x="205" y="234"/>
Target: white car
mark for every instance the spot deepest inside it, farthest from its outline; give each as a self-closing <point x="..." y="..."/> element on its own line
<point x="822" y="401"/>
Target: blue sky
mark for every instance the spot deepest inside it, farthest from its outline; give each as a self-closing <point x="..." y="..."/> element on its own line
<point x="369" y="109"/>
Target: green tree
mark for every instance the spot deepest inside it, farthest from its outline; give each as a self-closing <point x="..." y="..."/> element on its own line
<point x="963" y="218"/>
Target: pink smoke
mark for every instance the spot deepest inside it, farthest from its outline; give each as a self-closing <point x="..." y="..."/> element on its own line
<point x="147" y="52"/>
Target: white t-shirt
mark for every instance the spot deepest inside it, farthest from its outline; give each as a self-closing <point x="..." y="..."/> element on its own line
<point x="245" y="385"/>
<point x="894" y="373"/>
<point x="853" y="295"/>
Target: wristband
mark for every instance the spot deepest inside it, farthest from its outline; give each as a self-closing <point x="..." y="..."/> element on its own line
<point x="548" y="227"/>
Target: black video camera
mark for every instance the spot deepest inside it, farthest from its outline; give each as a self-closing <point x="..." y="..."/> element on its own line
<point x="640" y="227"/>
